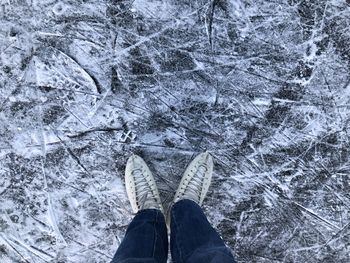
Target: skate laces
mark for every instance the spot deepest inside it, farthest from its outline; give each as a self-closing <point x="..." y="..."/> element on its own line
<point x="145" y="197"/>
<point x="195" y="184"/>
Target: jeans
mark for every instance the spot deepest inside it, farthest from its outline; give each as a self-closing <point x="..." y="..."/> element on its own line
<point x="192" y="238"/>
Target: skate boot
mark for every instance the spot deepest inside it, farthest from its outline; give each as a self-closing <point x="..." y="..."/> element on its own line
<point x="196" y="179"/>
<point x="140" y="185"/>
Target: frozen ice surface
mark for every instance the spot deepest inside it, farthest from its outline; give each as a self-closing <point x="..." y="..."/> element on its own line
<point x="263" y="85"/>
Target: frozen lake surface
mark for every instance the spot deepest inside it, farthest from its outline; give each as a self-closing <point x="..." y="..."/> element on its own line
<point x="263" y="85"/>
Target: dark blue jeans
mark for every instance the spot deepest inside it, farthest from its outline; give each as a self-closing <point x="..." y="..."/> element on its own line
<point x="192" y="238"/>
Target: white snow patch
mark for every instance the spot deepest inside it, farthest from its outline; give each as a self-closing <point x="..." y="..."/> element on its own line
<point x="152" y="9"/>
<point x="152" y="138"/>
<point x="117" y="186"/>
<point x="261" y="102"/>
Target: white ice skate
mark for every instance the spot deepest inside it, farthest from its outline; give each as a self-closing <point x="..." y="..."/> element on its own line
<point x="196" y="179"/>
<point x="141" y="186"/>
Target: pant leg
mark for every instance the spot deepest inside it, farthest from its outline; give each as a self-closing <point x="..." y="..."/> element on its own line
<point x="146" y="239"/>
<point x="193" y="239"/>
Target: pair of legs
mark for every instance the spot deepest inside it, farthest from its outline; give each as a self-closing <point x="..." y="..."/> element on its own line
<point x="192" y="238"/>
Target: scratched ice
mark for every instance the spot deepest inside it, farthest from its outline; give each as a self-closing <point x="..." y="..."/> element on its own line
<point x="263" y="85"/>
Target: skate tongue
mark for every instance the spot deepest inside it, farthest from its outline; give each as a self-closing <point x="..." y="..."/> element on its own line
<point x="147" y="202"/>
<point x="143" y="200"/>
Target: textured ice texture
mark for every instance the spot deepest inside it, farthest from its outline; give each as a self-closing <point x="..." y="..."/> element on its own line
<point x="263" y="85"/>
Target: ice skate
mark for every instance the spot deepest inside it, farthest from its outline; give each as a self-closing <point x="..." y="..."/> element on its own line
<point x="140" y="185"/>
<point x="196" y="179"/>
